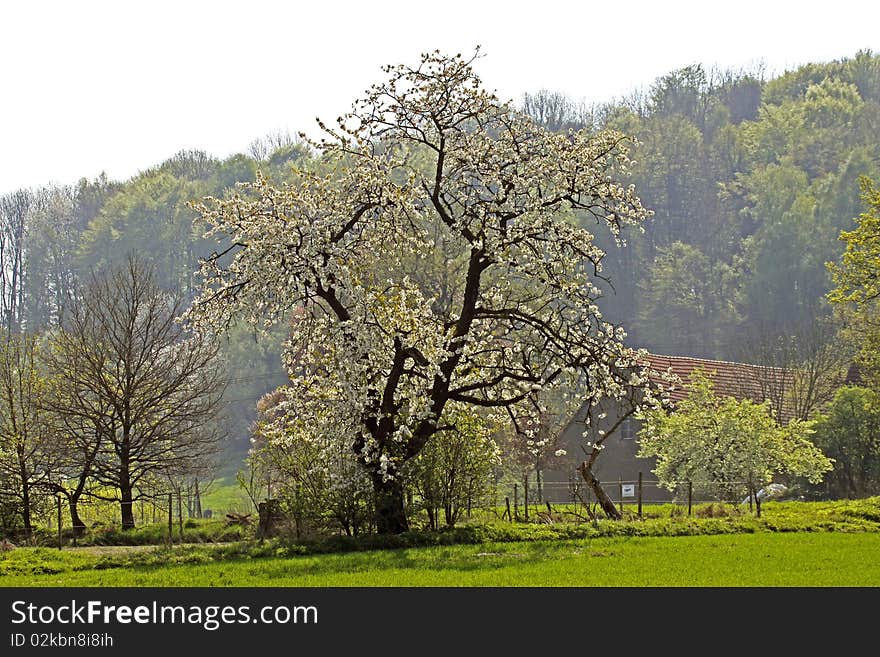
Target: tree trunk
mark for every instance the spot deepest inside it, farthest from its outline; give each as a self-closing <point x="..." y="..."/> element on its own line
<point x="604" y="501"/>
<point x="125" y="497"/>
<point x="79" y="527"/>
<point x="73" y="496"/>
<point x="26" y="507"/>
<point x="451" y="514"/>
<point x="126" y="507"/>
<point x="390" y="511"/>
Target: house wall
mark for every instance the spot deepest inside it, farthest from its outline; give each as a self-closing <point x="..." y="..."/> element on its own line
<point x="617" y="462"/>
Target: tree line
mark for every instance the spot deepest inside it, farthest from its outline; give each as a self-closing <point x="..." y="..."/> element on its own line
<point x="751" y="181"/>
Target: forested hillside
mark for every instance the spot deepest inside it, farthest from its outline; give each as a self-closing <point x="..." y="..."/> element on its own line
<point x="751" y="182"/>
<point x="750" y="179"/>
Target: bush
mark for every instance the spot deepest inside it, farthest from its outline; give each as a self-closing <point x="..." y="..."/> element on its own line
<point x="454" y="470"/>
<point x="194" y="531"/>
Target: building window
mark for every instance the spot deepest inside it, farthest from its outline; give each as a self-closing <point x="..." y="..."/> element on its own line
<point x="628" y="429"/>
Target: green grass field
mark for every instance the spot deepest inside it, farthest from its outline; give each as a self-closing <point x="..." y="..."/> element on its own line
<point x="792" y="544"/>
<point x="761" y="559"/>
<point x="226" y="495"/>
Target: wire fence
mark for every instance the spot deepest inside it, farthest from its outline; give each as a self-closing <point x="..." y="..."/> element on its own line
<point x="170" y="509"/>
<point x="530" y="499"/>
<point x="533" y="498"/>
<point x="146" y="509"/>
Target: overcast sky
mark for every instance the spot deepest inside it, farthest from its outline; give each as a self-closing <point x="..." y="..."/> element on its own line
<point x="118" y="86"/>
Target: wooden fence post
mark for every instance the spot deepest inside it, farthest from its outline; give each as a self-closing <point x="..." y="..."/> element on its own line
<point x="620" y="493"/>
<point x="170" y="520"/>
<point x="526" y="497"/>
<point x="180" y="515"/>
<point x="516" y="501"/>
<point x="60" y="539"/>
<point x="690" y="496"/>
<point x="198" y="500"/>
<point x="640" y="495"/>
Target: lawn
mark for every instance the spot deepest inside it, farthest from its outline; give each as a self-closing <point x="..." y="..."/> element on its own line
<point x="226" y="495"/>
<point x="758" y="559"/>
<point x="791" y="544"/>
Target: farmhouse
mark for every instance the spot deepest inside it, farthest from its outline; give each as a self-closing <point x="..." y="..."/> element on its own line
<point x="618" y="467"/>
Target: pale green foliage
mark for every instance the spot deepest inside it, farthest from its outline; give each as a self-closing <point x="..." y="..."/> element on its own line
<point x="312" y="471"/>
<point x="149" y="215"/>
<point x="856" y="279"/>
<point x="454" y="470"/>
<point x="27" y="450"/>
<point x="690" y="297"/>
<point x="782" y="255"/>
<point x="849" y="432"/>
<point x="729" y="443"/>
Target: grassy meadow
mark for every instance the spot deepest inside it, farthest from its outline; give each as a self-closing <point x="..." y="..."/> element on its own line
<point x="792" y="544"/>
<point x="761" y="559"/>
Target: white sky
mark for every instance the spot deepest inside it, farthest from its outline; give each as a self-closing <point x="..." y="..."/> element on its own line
<point x="119" y="86"/>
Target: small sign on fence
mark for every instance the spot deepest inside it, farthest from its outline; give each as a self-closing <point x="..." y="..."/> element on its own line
<point x="628" y="490"/>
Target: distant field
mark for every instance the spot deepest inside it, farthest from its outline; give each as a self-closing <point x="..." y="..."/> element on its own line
<point x="226" y="495"/>
<point x="759" y="559"/>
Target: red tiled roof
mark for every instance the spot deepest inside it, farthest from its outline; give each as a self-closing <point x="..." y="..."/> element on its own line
<point x="739" y="380"/>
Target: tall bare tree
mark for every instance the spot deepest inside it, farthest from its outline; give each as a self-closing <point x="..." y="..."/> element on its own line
<point x="556" y="112"/>
<point x="82" y="419"/>
<point x="800" y="370"/>
<point x="148" y="391"/>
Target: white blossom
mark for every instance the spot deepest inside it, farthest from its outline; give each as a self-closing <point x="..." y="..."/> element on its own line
<point x="410" y="292"/>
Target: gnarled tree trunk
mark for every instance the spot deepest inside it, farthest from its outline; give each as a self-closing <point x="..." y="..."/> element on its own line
<point x="390" y="509"/>
<point x="595" y="485"/>
<point x="79" y="527"/>
<point x="126" y="506"/>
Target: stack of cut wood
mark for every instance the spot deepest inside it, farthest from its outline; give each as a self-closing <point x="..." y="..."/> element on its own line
<point x="238" y="518"/>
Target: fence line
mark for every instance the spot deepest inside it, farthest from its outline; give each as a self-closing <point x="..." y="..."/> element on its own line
<point x="521" y="500"/>
<point x="635" y="493"/>
<point x="169" y="505"/>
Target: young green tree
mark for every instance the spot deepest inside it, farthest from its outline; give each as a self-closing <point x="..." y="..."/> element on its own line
<point x="27" y="452"/>
<point x="429" y="156"/>
<point x="314" y="474"/>
<point x="849" y="433"/>
<point x="454" y="469"/>
<point x="857" y="280"/>
<point x="731" y="445"/>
